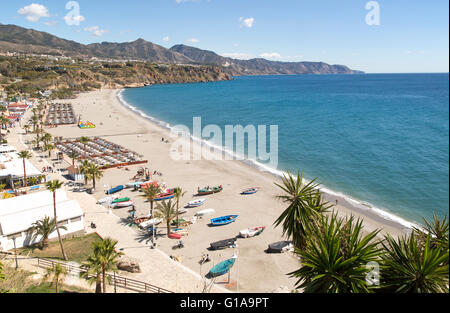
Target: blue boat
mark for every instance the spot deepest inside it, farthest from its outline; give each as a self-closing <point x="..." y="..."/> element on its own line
<point x="250" y="191"/>
<point x="224" y="220"/>
<point x="223" y="267"/>
<point x="115" y="189"/>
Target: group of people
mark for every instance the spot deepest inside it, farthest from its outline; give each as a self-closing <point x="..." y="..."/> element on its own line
<point x="47" y="169"/>
<point x="164" y="140"/>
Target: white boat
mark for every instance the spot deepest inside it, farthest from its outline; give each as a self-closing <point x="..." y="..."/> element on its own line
<point x="205" y="212"/>
<point x="182" y="211"/>
<point x="133" y="184"/>
<point x="251" y="232"/>
<point x="196" y="203"/>
<point x="107" y="199"/>
<point x="122" y="204"/>
<point x="151" y="222"/>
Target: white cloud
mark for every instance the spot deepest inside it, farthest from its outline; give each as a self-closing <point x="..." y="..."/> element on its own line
<point x="247" y="22"/>
<point x="166" y="39"/>
<point x="271" y="55"/>
<point x="34" y="12"/>
<point x="193" y="40"/>
<point x="96" y="31"/>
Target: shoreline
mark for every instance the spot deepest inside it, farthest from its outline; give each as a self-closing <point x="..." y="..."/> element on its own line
<point x="121" y="125"/>
<point x="383" y="216"/>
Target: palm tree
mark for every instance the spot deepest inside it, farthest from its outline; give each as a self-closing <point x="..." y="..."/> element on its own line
<point x="166" y="211"/>
<point x="27" y="128"/>
<point x="179" y="193"/>
<point x="93" y="172"/>
<point x="106" y="255"/>
<point x="46" y="138"/>
<point x="49" y="148"/>
<point x="2" y="187"/>
<point x="336" y="256"/>
<point x="151" y="193"/>
<point x="3" y="121"/>
<point x="73" y="155"/>
<point x="84" y="141"/>
<point x="53" y="186"/>
<point x="93" y="272"/>
<point x="44" y="228"/>
<point x="57" y="274"/>
<point x="38" y="133"/>
<point x="409" y="267"/>
<point x="84" y="169"/>
<point x="2" y="276"/>
<point x="303" y="208"/>
<point x="25" y="155"/>
<point x="439" y="231"/>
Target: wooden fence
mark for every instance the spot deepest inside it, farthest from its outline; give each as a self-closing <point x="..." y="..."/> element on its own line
<point x="118" y="281"/>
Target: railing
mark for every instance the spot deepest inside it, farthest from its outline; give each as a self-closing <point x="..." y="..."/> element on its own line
<point x="118" y="281"/>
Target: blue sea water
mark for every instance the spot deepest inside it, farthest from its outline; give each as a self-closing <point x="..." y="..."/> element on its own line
<point x="382" y="139"/>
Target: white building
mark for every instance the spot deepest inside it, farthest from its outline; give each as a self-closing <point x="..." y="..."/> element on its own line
<point x="18" y="214"/>
<point x="11" y="166"/>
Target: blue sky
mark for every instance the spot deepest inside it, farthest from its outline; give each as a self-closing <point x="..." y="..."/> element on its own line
<point x="412" y="36"/>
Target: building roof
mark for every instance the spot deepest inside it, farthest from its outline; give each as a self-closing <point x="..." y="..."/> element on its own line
<point x="22" y="220"/>
<point x="26" y="202"/>
<point x="12" y="165"/>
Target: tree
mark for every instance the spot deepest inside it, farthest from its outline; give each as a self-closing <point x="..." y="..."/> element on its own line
<point x="73" y="155"/>
<point x="409" y="267"/>
<point x="38" y="133"/>
<point x="166" y="211"/>
<point x="93" y="172"/>
<point x="57" y="273"/>
<point x="336" y="256"/>
<point x="305" y="206"/>
<point x="179" y="193"/>
<point x="439" y="231"/>
<point x="106" y="255"/>
<point x="3" y="122"/>
<point x="151" y="193"/>
<point x="84" y="141"/>
<point x="25" y="155"/>
<point x="27" y="128"/>
<point x="84" y="169"/>
<point x="44" y="228"/>
<point x="49" y="148"/>
<point x="46" y="138"/>
<point x="53" y="186"/>
<point x="93" y="272"/>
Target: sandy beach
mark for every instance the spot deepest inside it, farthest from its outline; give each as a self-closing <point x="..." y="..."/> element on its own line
<point x="256" y="271"/>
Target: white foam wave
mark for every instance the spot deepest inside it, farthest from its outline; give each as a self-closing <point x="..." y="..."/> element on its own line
<point x="361" y="205"/>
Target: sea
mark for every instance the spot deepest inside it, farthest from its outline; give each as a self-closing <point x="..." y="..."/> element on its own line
<point x="379" y="140"/>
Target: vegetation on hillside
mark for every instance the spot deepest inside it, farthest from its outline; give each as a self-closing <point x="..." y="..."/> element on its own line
<point x="31" y="75"/>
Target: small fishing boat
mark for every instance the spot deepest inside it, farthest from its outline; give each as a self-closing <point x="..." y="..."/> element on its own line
<point x="196" y="203"/>
<point x="148" y="184"/>
<point x="223" y="244"/>
<point x="121" y="200"/>
<point x="209" y="190"/>
<point x="115" y="190"/>
<point x="251" y="232"/>
<point x="182" y="211"/>
<point x="122" y="204"/>
<point x="152" y="222"/>
<point x="165" y="196"/>
<point x="175" y="236"/>
<point x="107" y="200"/>
<point x="279" y="247"/>
<point x="223" y="267"/>
<point x="205" y="212"/>
<point x="134" y="184"/>
<point x="224" y="220"/>
<point x="250" y="191"/>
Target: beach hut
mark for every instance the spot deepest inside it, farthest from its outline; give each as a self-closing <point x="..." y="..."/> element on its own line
<point x="75" y="174"/>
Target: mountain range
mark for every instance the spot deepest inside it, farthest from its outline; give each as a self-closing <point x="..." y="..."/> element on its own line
<point x="22" y="40"/>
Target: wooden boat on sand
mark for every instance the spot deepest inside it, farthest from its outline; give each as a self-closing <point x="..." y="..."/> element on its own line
<point x="279" y="247"/>
<point x="223" y="244"/>
<point x="209" y="190"/>
<point x="223" y="267"/>
<point x="196" y="203"/>
<point x="165" y="196"/>
<point x="251" y="232"/>
<point x="205" y="212"/>
<point x="250" y="191"/>
<point x="115" y="190"/>
<point x="224" y="220"/>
